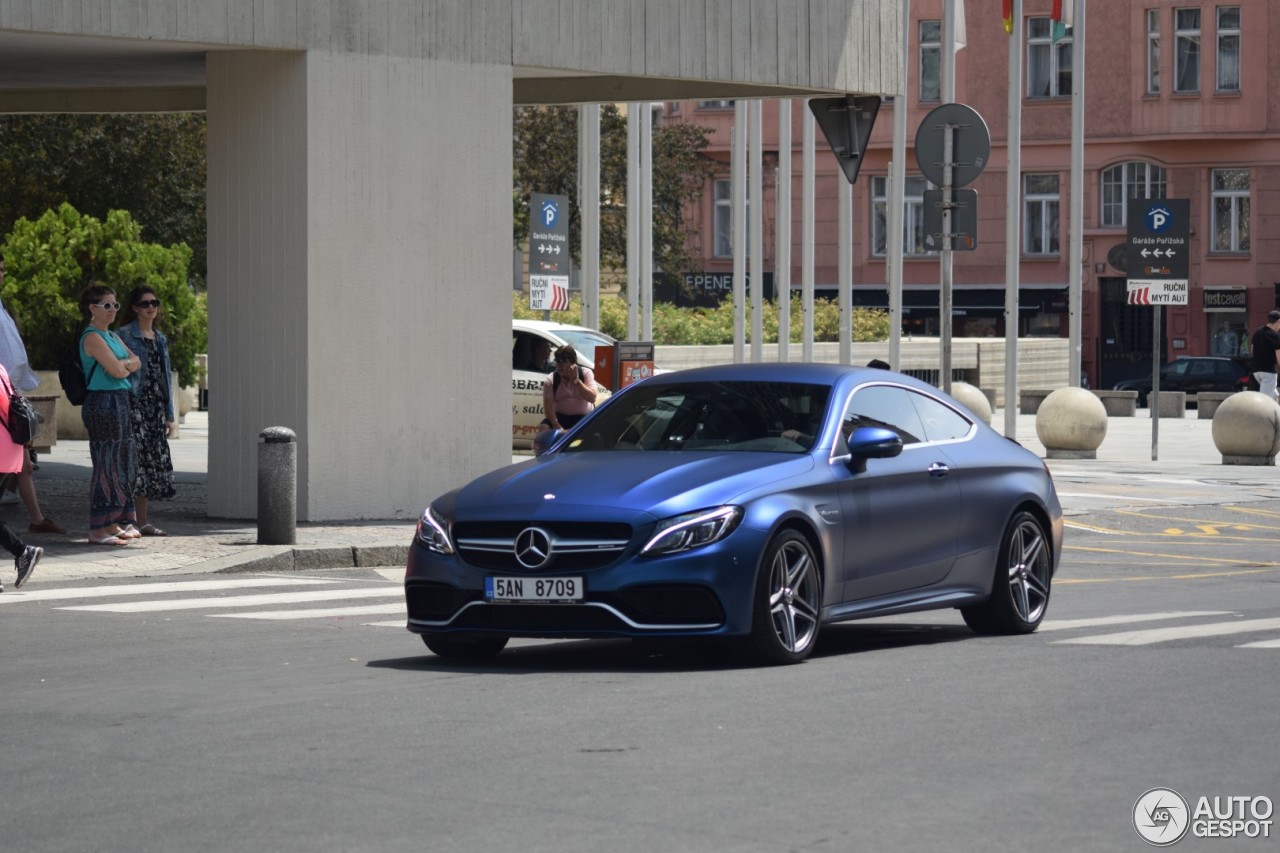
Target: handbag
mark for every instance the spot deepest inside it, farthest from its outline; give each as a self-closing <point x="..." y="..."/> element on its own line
<point x="23" y="418"/>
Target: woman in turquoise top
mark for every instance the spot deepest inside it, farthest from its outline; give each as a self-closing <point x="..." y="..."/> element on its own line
<point x="107" y="362"/>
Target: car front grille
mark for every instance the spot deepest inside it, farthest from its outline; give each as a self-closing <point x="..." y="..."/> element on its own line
<point x="576" y="547"/>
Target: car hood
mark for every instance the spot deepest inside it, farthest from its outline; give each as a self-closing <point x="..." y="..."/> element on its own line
<point x="659" y="482"/>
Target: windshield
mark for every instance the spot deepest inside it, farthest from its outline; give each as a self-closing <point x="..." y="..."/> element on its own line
<point x="584" y="342"/>
<point x="782" y="417"/>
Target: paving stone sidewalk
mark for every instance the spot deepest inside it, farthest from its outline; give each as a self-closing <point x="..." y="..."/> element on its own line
<point x="196" y="543"/>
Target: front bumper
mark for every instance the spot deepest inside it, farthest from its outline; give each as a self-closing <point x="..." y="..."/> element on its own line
<point x="704" y="592"/>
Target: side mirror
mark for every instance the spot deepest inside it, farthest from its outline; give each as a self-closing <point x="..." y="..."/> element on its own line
<point x="872" y="443"/>
<point x="543" y="441"/>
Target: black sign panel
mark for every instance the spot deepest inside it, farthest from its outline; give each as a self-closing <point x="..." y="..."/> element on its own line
<point x="1159" y="234"/>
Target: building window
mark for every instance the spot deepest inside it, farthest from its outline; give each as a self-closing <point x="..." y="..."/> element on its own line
<point x="1186" y="50"/>
<point x="1228" y="48"/>
<point x="1048" y="62"/>
<point x="715" y="105"/>
<point x="722" y="223"/>
<point x="1040" y="214"/>
<point x="1153" y="51"/>
<point x="1230" y="210"/>
<point x="930" y="61"/>
<point x="1124" y="181"/>
<point x="913" y="236"/>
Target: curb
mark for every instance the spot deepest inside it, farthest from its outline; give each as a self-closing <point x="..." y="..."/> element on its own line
<point x="285" y="558"/>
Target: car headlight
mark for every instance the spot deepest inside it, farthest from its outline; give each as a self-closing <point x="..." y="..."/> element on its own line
<point x="693" y="530"/>
<point x="433" y="531"/>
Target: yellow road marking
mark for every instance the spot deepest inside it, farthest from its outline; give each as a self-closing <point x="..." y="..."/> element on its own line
<point x="1183" y="577"/>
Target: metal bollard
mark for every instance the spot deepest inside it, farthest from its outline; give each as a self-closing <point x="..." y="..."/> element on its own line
<point x="278" y="487"/>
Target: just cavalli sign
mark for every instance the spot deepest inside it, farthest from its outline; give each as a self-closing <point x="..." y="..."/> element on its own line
<point x="1234" y="299"/>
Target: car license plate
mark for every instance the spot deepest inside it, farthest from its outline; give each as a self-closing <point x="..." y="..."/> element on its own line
<point x="533" y="589"/>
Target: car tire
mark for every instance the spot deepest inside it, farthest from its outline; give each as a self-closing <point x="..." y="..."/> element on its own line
<point x="465" y="646"/>
<point x="1023" y="575"/>
<point x="788" y="601"/>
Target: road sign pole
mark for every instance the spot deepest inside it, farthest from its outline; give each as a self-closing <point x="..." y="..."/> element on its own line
<point x="944" y="297"/>
<point x="1153" y="399"/>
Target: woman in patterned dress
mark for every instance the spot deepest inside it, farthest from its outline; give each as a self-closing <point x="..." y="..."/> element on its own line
<point x="152" y="404"/>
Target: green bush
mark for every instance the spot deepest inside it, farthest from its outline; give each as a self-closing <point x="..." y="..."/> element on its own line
<point x="690" y="326"/>
<point x="50" y="261"/>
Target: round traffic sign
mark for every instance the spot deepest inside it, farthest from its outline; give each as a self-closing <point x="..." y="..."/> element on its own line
<point x="970" y="145"/>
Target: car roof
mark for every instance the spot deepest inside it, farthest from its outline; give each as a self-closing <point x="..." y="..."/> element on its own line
<point x="812" y="372"/>
<point x="547" y="326"/>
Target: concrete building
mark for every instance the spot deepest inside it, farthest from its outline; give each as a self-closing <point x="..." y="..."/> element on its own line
<point x="360" y="187"/>
<point x="1181" y="102"/>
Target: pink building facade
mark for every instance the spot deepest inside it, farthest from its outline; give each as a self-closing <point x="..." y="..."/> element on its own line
<point x="1181" y="102"/>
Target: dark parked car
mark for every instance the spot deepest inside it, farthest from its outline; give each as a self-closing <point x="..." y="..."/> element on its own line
<point x="1195" y="373"/>
<point x="750" y="501"/>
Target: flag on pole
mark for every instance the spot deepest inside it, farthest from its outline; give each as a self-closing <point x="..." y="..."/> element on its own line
<point x="961" y="36"/>
<point x="1006" y="10"/>
<point x="1063" y="17"/>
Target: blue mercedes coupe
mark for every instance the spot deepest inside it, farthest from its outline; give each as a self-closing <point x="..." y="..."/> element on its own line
<point x="751" y="501"/>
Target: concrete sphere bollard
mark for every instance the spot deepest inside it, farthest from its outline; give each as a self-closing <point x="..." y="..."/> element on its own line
<point x="973" y="399"/>
<point x="1071" y="423"/>
<point x="1246" y="429"/>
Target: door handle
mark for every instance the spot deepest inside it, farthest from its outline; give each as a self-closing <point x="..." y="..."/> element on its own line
<point x="938" y="469"/>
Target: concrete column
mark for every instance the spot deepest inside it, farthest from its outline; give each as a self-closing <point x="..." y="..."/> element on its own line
<point x="356" y="275"/>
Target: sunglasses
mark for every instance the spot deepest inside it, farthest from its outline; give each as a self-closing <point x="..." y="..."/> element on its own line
<point x="561" y="360"/>
<point x="147" y="303"/>
<point x="106" y="306"/>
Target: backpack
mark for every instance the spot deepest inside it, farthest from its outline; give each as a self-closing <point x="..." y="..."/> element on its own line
<point x="71" y="374"/>
<point x="23" y="419"/>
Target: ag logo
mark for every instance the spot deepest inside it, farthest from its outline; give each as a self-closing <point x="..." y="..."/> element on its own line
<point x="1161" y="817"/>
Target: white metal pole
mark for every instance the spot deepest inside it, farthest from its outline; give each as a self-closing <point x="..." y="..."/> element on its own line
<point x="1013" y="227"/>
<point x="646" y="222"/>
<point x="737" y="206"/>
<point x="589" y="207"/>
<point x="897" y="187"/>
<point x="633" y="222"/>
<point x="844" y="220"/>
<point x="1076" y="253"/>
<point x="806" y="236"/>
<point x="782" y="231"/>
<point x="944" y="291"/>
<point x="755" y="209"/>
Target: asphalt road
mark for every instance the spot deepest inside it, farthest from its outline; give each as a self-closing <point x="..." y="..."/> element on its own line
<point x="198" y="718"/>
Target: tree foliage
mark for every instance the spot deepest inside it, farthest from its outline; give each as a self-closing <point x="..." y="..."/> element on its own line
<point x="150" y="165"/>
<point x="546" y="160"/>
<point x="49" y="261"/>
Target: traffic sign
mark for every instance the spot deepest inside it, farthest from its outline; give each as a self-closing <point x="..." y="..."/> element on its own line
<point x="549" y="256"/>
<point x="970" y="145"/>
<point x="964" y="220"/>
<point x="846" y="122"/>
<point x="1157" y="248"/>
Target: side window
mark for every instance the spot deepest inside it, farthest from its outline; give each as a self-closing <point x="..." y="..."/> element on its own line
<point x="941" y="423"/>
<point x="887" y="407"/>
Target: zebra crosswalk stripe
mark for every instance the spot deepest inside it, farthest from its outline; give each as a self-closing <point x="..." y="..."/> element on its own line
<point x="120" y="590"/>
<point x="1180" y="632"/>
<point x="1127" y="619"/>
<point x="318" y="613"/>
<point x="240" y="600"/>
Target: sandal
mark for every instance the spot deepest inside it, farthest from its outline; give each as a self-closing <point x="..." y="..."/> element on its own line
<point x="128" y="532"/>
<point x="108" y="540"/>
<point x="151" y="530"/>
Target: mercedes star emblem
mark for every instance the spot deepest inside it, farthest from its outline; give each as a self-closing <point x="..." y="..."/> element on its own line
<point x="533" y="547"/>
